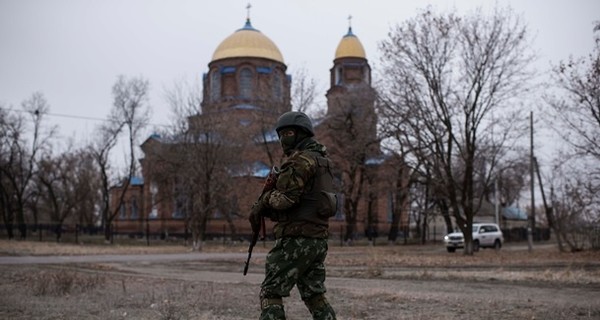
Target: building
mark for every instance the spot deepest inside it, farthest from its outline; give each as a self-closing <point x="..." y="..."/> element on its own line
<point x="245" y="90"/>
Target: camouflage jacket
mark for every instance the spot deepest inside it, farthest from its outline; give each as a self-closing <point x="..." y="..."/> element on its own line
<point x="296" y="175"/>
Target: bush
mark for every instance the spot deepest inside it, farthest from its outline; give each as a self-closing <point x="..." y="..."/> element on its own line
<point x="63" y="283"/>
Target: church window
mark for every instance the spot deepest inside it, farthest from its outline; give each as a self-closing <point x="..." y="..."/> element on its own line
<point x="277" y="86"/>
<point x="154" y="211"/>
<point x="122" y="211"/>
<point x="338" y="75"/>
<point x="215" y="85"/>
<point x="246" y="83"/>
<point x="179" y="201"/>
<point x="390" y="207"/>
<point x="134" y="209"/>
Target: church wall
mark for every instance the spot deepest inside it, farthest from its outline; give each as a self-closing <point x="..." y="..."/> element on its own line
<point x="239" y="113"/>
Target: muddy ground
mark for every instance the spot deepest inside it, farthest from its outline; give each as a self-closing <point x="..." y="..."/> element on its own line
<point x="61" y="281"/>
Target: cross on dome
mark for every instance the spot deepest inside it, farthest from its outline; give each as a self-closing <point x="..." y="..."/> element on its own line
<point x="350" y="24"/>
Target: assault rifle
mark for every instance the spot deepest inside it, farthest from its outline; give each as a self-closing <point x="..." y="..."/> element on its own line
<point x="269" y="184"/>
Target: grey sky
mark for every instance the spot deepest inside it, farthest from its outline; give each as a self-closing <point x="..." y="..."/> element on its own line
<point x="73" y="50"/>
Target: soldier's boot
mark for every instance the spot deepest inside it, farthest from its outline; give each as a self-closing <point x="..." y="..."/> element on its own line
<point x="272" y="309"/>
<point x="320" y="308"/>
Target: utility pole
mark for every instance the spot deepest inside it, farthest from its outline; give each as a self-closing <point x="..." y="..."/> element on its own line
<point x="531" y="219"/>
<point x="497" y="200"/>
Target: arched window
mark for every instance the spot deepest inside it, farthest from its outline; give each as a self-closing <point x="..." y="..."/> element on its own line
<point x="277" y="86"/>
<point x="179" y="202"/>
<point x="338" y="75"/>
<point x="134" y="209"/>
<point x="246" y="83"/>
<point x="154" y="210"/>
<point x="366" y="78"/>
<point x="215" y="85"/>
<point x="122" y="211"/>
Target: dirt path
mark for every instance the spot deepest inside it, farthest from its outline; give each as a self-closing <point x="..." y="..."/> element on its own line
<point x="362" y="284"/>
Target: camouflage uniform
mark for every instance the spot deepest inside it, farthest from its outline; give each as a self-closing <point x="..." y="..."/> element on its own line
<point x="300" y="204"/>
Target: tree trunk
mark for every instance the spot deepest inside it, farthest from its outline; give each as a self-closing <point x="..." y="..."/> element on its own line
<point x="394" y="228"/>
<point x="424" y="230"/>
<point x="397" y="206"/>
<point x="7" y="218"/>
<point x="9" y="230"/>
<point x="58" y="231"/>
<point x="446" y="215"/>
<point x="350" y="222"/>
<point x="21" y="222"/>
<point x="107" y="233"/>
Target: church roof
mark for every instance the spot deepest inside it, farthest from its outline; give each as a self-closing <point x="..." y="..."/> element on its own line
<point x="247" y="42"/>
<point x="350" y="47"/>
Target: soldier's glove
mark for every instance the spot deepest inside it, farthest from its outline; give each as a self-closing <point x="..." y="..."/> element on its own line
<point x="255" y="214"/>
<point x="264" y="202"/>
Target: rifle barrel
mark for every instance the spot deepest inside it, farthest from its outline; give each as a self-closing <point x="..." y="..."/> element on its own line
<point x="252" y="244"/>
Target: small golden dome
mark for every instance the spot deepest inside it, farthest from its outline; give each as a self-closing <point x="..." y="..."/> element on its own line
<point x="350" y="47"/>
<point x="247" y="42"/>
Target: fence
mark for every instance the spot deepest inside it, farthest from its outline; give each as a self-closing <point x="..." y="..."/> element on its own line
<point x="220" y="231"/>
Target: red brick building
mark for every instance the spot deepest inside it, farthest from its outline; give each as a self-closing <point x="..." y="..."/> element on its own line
<point x="245" y="89"/>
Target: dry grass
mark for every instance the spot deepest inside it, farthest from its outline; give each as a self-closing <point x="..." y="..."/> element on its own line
<point x="432" y="256"/>
<point x="36" y="248"/>
<point x="407" y="282"/>
<point x="62" y="283"/>
<point x="545" y="264"/>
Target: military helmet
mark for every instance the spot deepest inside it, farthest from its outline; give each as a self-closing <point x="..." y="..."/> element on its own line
<point x="295" y="119"/>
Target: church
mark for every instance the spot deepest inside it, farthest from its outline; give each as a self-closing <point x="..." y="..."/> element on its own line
<point x="245" y="89"/>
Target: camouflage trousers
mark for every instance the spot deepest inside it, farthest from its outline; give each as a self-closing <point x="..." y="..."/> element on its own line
<point x="295" y="261"/>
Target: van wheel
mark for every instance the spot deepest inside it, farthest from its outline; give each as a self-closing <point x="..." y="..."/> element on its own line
<point x="450" y="249"/>
<point x="497" y="245"/>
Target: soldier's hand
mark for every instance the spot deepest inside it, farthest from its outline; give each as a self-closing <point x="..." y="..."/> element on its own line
<point x="254" y="218"/>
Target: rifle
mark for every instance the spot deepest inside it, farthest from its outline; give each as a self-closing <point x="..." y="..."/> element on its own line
<point x="269" y="184"/>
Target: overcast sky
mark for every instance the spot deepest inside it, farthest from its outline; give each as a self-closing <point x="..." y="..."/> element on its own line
<point x="73" y="50"/>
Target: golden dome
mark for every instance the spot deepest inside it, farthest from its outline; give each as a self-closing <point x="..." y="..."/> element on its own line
<point x="247" y="42"/>
<point x="350" y="47"/>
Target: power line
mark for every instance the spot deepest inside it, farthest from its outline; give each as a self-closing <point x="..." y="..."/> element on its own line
<point x="71" y="116"/>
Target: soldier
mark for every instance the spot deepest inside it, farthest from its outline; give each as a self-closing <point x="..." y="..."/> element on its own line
<point x="301" y="204"/>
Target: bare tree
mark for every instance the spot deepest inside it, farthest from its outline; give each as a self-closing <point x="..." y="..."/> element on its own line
<point x="100" y="149"/>
<point x="575" y="206"/>
<point x="58" y="189"/>
<point x="304" y="90"/>
<point x="11" y="135"/>
<point x="450" y="84"/>
<point x="197" y="165"/>
<point x="66" y="189"/>
<point x="577" y="103"/>
<point x="350" y="123"/>
<point x="87" y="186"/>
<point x="574" y="110"/>
<point x="130" y="107"/>
<point x="20" y="164"/>
<point x="400" y="181"/>
<point x="130" y="113"/>
<point x="204" y="177"/>
<point x="513" y="178"/>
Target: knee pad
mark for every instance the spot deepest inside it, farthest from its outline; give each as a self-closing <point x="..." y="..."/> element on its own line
<point x="267" y="302"/>
<point x="271" y="308"/>
<point x="316" y="302"/>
